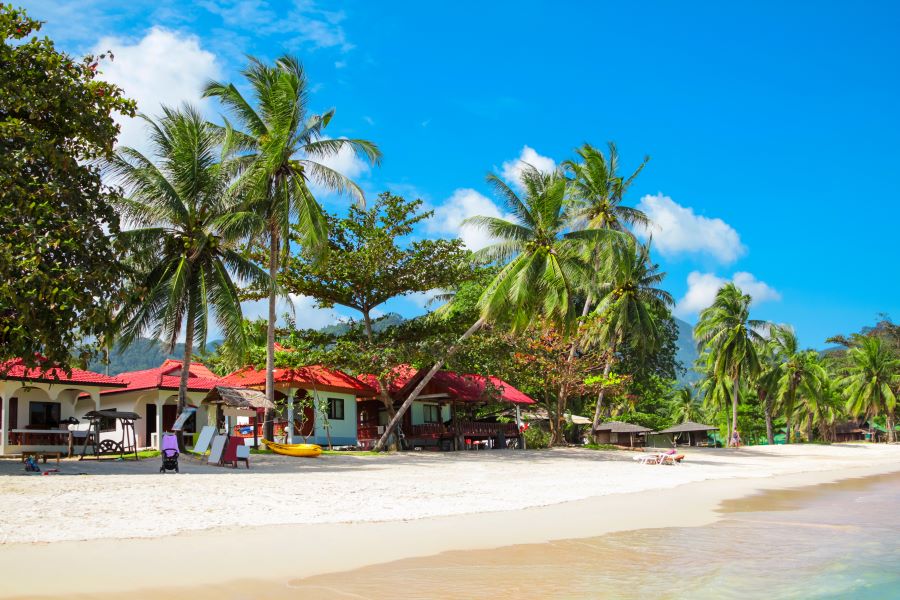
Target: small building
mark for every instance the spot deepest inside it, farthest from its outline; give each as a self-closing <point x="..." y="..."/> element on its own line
<point x="153" y="394"/>
<point x="38" y="403"/>
<point x="327" y="397"/>
<point x="850" y="431"/>
<point x="620" y="433"/>
<point x="442" y="415"/>
<point x="688" y="433"/>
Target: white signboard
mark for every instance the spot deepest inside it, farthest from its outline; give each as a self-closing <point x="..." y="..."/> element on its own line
<point x="182" y="418"/>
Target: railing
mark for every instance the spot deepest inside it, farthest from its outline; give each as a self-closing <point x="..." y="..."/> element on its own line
<point x="482" y="429"/>
<point x="39" y="437"/>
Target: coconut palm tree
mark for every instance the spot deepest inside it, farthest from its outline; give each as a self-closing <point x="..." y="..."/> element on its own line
<point x="185" y="236"/>
<point x="541" y="265"/>
<point x="686" y="405"/>
<point x="726" y="330"/>
<point x="283" y="147"/>
<point x="628" y="305"/>
<point x="873" y="371"/>
<point x="800" y="374"/>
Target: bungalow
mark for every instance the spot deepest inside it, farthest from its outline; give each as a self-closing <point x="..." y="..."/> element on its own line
<point x="443" y="414"/>
<point x="328" y="397"/>
<point x="153" y="394"/>
<point x="621" y="433"/>
<point x="687" y="433"/>
<point x="37" y="403"/>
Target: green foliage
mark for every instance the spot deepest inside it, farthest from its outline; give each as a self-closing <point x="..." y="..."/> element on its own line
<point x="606" y="447"/>
<point x="536" y="438"/>
<point x="59" y="269"/>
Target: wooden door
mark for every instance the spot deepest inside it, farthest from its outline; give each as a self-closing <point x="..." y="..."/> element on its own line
<point x="169" y="413"/>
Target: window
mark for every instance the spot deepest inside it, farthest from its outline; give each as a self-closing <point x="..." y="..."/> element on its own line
<point x="432" y="413"/>
<point x="45" y="414"/>
<point x="336" y="409"/>
<point x="108" y="423"/>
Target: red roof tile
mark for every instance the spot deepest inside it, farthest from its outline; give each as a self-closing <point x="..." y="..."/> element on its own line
<point x="16" y="369"/>
<point x="167" y="376"/>
<point x="460" y="387"/>
<point x="311" y="376"/>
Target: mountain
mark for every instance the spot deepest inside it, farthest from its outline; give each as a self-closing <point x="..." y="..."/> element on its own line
<point x="687" y="351"/>
<point x="144" y="353"/>
<point x="380" y="324"/>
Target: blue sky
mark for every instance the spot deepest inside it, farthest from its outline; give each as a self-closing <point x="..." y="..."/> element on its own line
<point x="773" y="127"/>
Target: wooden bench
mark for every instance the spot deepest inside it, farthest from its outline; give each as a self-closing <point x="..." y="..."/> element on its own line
<point x="41" y="455"/>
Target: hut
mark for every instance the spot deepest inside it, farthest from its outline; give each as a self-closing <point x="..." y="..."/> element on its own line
<point x="236" y="403"/>
<point x="153" y="395"/>
<point x="37" y="403"/>
<point x="688" y="433"/>
<point x="326" y="398"/>
<point x="622" y="434"/>
<point x="443" y="415"/>
<point x="849" y="431"/>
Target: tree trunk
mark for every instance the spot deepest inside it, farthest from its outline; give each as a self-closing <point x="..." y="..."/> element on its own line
<point x="185" y="370"/>
<point x="269" y="427"/>
<point x="889" y="421"/>
<point x="787" y="429"/>
<point x="767" y="412"/>
<point x="606" y="369"/>
<point x="563" y="397"/>
<point x="418" y="389"/>
<point x="734" y="403"/>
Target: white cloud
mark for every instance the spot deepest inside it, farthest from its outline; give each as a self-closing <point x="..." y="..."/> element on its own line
<point x="340" y="64"/>
<point x="465" y="203"/>
<point x="162" y="67"/>
<point x="306" y="314"/>
<point x="345" y="162"/>
<point x="511" y="170"/>
<point x="425" y="300"/>
<point x="702" y="288"/>
<point x="677" y="229"/>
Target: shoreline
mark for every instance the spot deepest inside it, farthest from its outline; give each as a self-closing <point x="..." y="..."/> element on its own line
<point x="223" y="561"/>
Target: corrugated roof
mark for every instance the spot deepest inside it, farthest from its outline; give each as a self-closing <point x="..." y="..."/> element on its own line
<point x="308" y="377"/>
<point x="50" y="373"/>
<point x="622" y="427"/>
<point x="167" y="376"/>
<point x="687" y="427"/>
<point x="460" y="387"/>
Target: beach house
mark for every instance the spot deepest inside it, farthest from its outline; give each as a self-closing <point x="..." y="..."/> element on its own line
<point x="153" y="394"/>
<point x="443" y="415"/>
<point x="319" y="401"/>
<point x="38" y="403"/>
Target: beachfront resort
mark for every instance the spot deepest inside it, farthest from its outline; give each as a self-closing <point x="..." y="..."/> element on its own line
<point x="268" y="295"/>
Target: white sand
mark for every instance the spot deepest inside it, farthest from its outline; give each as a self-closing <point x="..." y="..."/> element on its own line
<point x="125" y="499"/>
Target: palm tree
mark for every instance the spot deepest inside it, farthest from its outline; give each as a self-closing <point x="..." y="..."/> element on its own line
<point x="726" y="330"/>
<point x="766" y="381"/>
<point x="800" y="374"/>
<point x="283" y="146"/>
<point x="186" y="236"/>
<point x="541" y="261"/>
<point x="872" y="372"/>
<point x="685" y="404"/>
<point x="628" y="305"/>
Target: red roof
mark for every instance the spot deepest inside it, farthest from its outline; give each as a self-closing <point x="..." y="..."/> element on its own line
<point x="309" y="376"/>
<point x="16" y="369"/>
<point x="167" y="376"/>
<point x="461" y="387"/>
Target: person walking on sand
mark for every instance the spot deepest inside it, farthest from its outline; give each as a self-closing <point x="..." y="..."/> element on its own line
<point x="735" y="439"/>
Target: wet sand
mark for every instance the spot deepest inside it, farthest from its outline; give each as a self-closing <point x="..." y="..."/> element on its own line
<point x="274" y="561"/>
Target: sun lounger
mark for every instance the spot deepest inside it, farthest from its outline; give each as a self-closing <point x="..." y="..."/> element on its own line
<point x="647" y="458"/>
<point x="671" y="459"/>
<point x="203" y="442"/>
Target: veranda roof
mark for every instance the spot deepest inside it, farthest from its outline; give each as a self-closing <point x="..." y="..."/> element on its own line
<point x="457" y="387"/>
<point x="15" y="369"/>
<point x="687" y="427"/>
<point x="541" y="414"/>
<point x="237" y="397"/>
<point x="167" y="376"/>
<point x="308" y="377"/>
<point x="622" y="427"/>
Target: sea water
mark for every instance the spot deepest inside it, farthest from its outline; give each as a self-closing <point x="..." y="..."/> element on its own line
<point x="838" y="540"/>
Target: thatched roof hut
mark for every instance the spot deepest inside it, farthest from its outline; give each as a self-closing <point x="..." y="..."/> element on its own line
<point x="689" y="432"/>
<point x="621" y="433"/>
<point x="235" y="397"/>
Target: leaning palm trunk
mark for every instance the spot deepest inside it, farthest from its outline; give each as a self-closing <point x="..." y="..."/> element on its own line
<point x="269" y="427"/>
<point x="185" y="373"/>
<point x="600" y="395"/>
<point x="563" y="396"/>
<point x="428" y="376"/>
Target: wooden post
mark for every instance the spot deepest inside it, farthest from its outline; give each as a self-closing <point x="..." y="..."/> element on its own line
<point x="454" y="424"/>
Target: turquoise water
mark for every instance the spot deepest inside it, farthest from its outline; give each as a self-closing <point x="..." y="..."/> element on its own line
<point x="833" y="541"/>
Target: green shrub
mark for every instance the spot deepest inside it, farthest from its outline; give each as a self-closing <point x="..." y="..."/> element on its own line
<point x="536" y="438"/>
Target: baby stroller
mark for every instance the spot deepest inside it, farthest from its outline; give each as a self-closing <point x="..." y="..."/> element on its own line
<point x="169" y="453"/>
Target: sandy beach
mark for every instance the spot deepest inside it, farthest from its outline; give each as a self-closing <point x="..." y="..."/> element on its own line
<point x="353" y="511"/>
